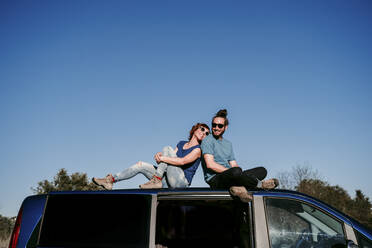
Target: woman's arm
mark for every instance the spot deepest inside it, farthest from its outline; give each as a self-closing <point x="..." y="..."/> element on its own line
<point x="191" y="157"/>
<point x="159" y="154"/>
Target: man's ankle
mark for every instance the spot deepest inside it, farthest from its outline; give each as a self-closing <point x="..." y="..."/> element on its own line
<point x="259" y="184"/>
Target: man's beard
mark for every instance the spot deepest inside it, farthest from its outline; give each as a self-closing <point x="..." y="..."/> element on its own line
<point x="219" y="135"/>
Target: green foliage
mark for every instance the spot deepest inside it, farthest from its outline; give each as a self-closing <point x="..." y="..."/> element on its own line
<point x="304" y="179"/>
<point x="361" y="209"/>
<point x="358" y="208"/>
<point x="6" y="227"/>
<point x="64" y="182"/>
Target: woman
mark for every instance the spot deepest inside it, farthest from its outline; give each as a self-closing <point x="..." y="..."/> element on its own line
<point x="180" y="164"/>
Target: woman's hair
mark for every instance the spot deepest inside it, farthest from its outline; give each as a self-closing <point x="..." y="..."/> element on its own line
<point x="223" y="114"/>
<point x="195" y="127"/>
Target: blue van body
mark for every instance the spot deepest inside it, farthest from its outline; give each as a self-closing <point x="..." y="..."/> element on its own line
<point x="33" y="207"/>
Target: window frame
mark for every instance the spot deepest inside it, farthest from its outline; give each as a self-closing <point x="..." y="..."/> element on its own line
<point x="262" y="216"/>
<point x="151" y="223"/>
<point x="204" y="197"/>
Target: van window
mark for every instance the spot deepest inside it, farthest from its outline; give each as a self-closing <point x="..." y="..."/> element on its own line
<point x="202" y="223"/>
<point x="96" y="220"/>
<point x="294" y="223"/>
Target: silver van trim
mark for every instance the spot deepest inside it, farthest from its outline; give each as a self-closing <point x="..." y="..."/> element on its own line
<point x="260" y="230"/>
<point x="152" y="221"/>
<point x="350" y="233"/>
<point x="195" y="197"/>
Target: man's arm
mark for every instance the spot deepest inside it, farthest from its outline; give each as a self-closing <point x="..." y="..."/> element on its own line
<point x="211" y="164"/>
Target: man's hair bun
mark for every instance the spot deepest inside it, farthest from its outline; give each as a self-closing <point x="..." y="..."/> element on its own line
<point x="222" y="113"/>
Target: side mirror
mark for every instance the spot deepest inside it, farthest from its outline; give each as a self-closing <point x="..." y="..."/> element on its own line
<point x="351" y="244"/>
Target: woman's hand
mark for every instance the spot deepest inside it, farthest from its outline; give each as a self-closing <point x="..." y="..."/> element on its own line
<point x="157" y="157"/>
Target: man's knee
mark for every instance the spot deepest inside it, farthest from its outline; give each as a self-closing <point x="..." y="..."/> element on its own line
<point x="262" y="172"/>
<point x="258" y="172"/>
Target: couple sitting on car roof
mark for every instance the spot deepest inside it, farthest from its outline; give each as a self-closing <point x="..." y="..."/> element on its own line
<point x="176" y="167"/>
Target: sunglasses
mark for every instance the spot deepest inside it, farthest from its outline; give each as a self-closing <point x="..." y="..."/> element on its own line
<point x="218" y="125"/>
<point x="204" y="131"/>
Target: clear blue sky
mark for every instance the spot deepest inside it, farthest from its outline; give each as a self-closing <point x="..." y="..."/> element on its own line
<point x="94" y="86"/>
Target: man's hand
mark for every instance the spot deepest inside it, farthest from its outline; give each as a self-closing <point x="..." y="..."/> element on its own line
<point x="233" y="163"/>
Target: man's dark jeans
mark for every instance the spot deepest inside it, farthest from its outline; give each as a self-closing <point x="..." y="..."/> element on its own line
<point x="235" y="176"/>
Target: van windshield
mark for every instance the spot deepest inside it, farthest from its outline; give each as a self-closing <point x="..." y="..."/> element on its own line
<point x="96" y="220"/>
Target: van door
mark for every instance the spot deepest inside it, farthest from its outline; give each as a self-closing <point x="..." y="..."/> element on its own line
<point x="203" y="223"/>
<point x="295" y="223"/>
<point x="98" y="220"/>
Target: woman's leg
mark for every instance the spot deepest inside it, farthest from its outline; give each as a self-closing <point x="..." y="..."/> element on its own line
<point x="146" y="169"/>
<point x="157" y="178"/>
<point x="162" y="167"/>
<point x="175" y="175"/>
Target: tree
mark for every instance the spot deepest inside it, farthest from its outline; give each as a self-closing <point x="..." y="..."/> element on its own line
<point x="358" y="208"/>
<point x="63" y="182"/>
<point x="361" y="209"/>
<point x="290" y="180"/>
<point x="333" y="195"/>
<point x="6" y="227"/>
<point x="306" y="180"/>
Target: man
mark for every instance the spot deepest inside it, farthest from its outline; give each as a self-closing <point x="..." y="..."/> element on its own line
<point x="220" y="168"/>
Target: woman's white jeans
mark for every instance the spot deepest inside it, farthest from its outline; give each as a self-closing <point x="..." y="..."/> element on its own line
<point x="174" y="175"/>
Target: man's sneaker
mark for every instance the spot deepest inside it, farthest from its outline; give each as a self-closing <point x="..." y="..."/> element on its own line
<point x="154" y="183"/>
<point x="270" y="183"/>
<point x="242" y="193"/>
<point x="106" y="182"/>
